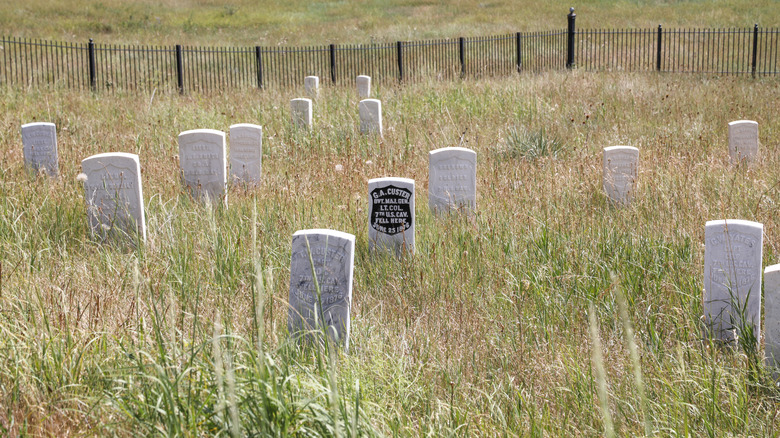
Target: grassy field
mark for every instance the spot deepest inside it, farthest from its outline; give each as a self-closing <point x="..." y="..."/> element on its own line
<point x="244" y="22"/>
<point x="550" y="312"/>
<point x="483" y="331"/>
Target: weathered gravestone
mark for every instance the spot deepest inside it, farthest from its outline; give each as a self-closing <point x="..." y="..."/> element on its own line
<point x="203" y="164"/>
<point x="364" y="86"/>
<point x="743" y="141"/>
<point x="312" y="85"/>
<point x="370" y="116"/>
<point x="620" y="165"/>
<point x="333" y="256"/>
<point x="300" y="112"/>
<point x="113" y="194"/>
<point x="39" y="144"/>
<point x="732" y="278"/>
<point x="391" y="214"/>
<point x="772" y="316"/>
<point x="246" y="152"/>
<point x="452" y="179"/>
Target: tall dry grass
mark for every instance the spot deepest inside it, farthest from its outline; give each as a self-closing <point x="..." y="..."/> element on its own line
<point x="484" y="331"/>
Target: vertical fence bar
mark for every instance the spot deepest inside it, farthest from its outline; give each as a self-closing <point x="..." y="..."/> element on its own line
<point x="658" y="50"/>
<point x="461" y="48"/>
<point x="333" y="64"/>
<point x="570" y="46"/>
<point x="179" y="70"/>
<point x="92" y="71"/>
<point x="399" y="51"/>
<point x="259" y="64"/>
<point x="755" y="50"/>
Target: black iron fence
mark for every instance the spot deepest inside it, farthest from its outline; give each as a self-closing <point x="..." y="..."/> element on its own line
<point x="26" y="62"/>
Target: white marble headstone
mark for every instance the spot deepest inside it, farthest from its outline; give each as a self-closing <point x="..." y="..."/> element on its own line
<point x="452" y="179"/>
<point x="364" y="86"/>
<point x="732" y="277"/>
<point x="772" y="316"/>
<point x="246" y="152"/>
<point x="391" y="214"/>
<point x="333" y="255"/>
<point x="312" y="85"/>
<point x="203" y="164"/>
<point x="113" y="194"/>
<point x="743" y="141"/>
<point x="301" y="112"/>
<point x="370" y="116"/>
<point x="620" y="173"/>
<point x="39" y="142"/>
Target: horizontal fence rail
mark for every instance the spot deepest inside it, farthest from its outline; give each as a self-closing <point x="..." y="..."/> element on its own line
<point x="34" y="63"/>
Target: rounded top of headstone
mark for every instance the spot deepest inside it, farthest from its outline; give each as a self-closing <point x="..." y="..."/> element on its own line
<point x="620" y="148"/>
<point x="364" y="77"/>
<point x="377" y="101"/>
<point x="203" y="131"/>
<point x="325" y="231"/>
<point x="391" y="179"/>
<point x="301" y="99"/>
<point x="739" y="122"/>
<point x="452" y="149"/>
<point x="246" y="125"/>
<point x="771" y="269"/>
<point x="112" y="155"/>
<point x="312" y="77"/>
<point x="30" y="125"/>
<point x="735" y="222"/>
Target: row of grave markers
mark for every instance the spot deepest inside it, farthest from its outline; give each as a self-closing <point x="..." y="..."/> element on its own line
<point x="312" y="86"/>
<point x="369" y="110"/>
<point x="114" y="198"/>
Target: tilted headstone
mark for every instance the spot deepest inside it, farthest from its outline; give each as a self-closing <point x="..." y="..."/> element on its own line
<point x="333" y="255"/>
<point x="743" y="141"/>
<point x="203" y="164"/>
<point x="391" y="214"/>
<point x="370" y="116"/>
<point x="772" y="316"/>
<point x="364" y="86"/>
<point x="312" y="85"/>
<point x="452" y="179"/>
<point x="246" y="152"/>
<point x="300" y="111"/>
<point x="620" y="173"/>
<point x="732" y="277"/>
<point x="113" y="194"/>
<point x="39" y="143"/>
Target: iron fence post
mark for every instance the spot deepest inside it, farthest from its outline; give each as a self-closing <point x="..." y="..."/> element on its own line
<point x="179" y="70"/>
<point x="755" y="49"/>
<point x="518" y="43"/>
<point x="333" y="64"/>
<point x="461" y="48"/>
<point x="259" y="63"/>
<point x="658" y="50"/>
<point x="92" y="70"/>
<point x="570" y="46"/>
<point x="399" y="50"/>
